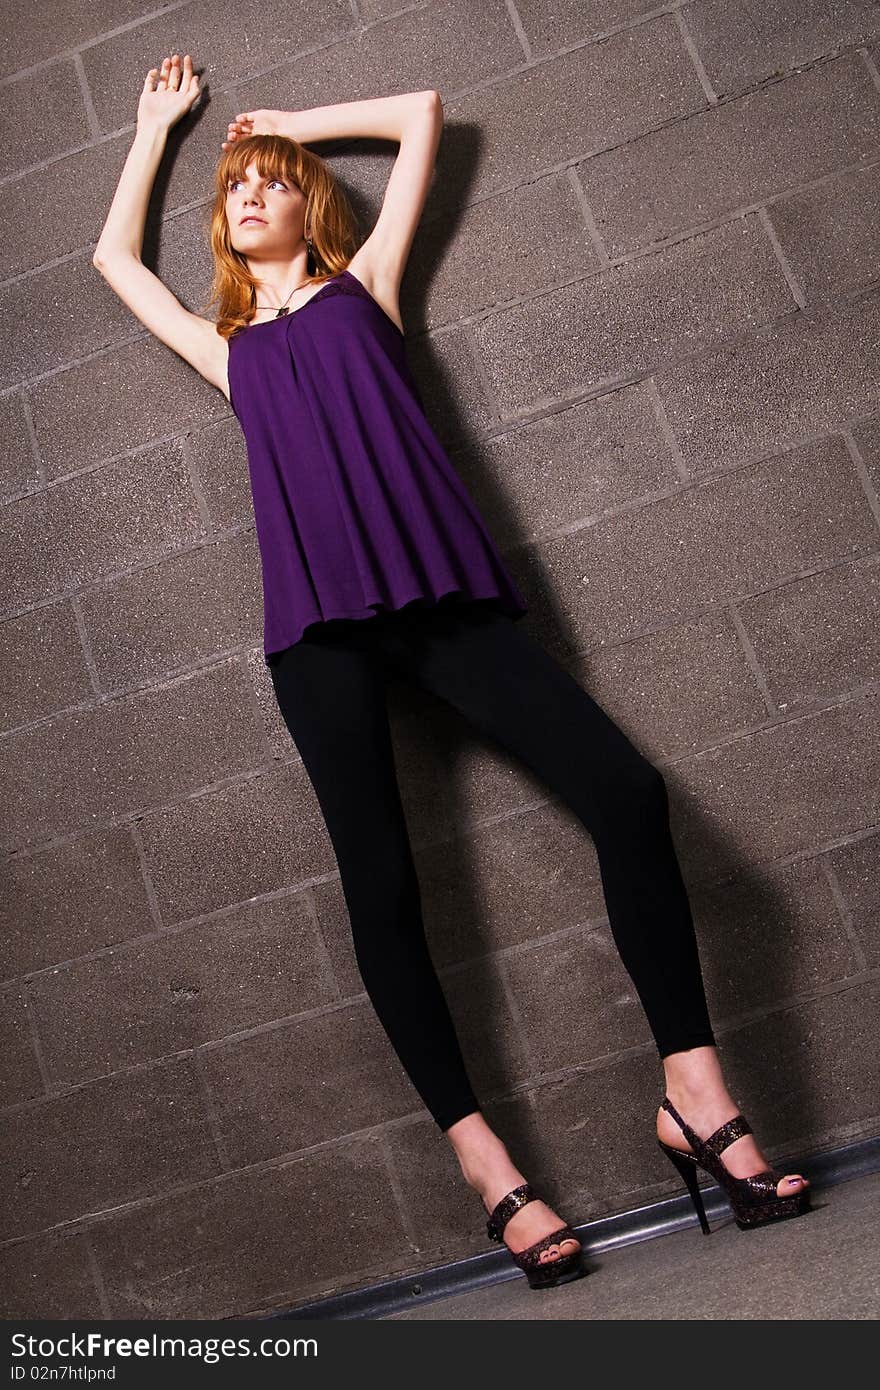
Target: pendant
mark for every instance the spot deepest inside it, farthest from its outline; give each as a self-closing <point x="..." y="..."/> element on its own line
<point x="283" y="310"/>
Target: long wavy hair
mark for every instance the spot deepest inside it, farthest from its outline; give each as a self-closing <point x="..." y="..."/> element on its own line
<point x="328" y="216"/>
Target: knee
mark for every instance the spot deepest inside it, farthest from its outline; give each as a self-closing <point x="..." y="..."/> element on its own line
<point x="638" y="778"/>
<point x="382" y="896"/>
<point x="637" y="796"/>
<point x="649" y="783"/>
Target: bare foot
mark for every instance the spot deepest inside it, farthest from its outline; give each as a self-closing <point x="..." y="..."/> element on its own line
<point x="488" y="1168"/>
<point x="704" y="1113"/>
<point x="696" y="1086"/>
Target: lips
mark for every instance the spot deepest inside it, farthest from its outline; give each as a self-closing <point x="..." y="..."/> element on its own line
<point x="260" y="220"/>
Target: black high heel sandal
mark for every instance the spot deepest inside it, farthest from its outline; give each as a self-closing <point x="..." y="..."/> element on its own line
<point x="540" y="1274"/>
<point x="754" y="1200"/>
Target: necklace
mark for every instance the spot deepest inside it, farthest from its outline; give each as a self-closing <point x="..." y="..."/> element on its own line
<point x="283" y="308"/>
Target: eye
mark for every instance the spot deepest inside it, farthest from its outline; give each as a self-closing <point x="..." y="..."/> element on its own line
<point x="235" y="182"/>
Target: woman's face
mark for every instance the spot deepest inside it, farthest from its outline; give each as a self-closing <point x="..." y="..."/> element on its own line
<point x="277" y="209"/>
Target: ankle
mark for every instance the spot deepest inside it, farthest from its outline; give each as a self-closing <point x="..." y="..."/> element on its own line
<point x="695" y="1077"/>
<point x="478" y="1149"/>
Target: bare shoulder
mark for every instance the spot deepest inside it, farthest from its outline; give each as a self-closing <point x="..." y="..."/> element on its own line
<point x="383" y="287"/>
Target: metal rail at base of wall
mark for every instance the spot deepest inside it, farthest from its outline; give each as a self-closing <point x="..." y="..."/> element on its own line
<point x="661" y="1218"/>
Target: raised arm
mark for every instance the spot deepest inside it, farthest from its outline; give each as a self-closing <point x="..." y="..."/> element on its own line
<point x="415" y="120"/>
<point x="167" y="95"/>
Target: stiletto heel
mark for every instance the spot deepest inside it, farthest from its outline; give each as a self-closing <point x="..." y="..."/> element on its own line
<point x="541" y="1274"/>
<point x="688" y="1169"/>
<point x="754" y="1200"/>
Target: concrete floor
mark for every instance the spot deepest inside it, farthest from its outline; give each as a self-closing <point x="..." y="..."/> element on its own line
<point x="822" y="1265"/>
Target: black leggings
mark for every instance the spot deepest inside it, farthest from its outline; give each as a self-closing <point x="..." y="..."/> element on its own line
<point x="330" y="688"/>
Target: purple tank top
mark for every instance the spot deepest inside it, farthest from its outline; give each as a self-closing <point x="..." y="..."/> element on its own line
<point x="357" y="506"/>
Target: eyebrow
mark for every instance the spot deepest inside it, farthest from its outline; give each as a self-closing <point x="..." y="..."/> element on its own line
<point x="269" y="178"/>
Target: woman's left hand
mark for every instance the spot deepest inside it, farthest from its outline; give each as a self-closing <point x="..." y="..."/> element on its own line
<point x="253" y="123"/>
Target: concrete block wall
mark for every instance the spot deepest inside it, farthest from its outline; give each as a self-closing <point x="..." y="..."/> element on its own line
<point x="643" y="310"/>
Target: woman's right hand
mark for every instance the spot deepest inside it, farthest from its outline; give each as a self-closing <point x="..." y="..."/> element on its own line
<point x="165" y="100"/>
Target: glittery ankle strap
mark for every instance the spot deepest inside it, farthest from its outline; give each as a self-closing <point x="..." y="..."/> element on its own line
<point x="727" y="1133"/>
<point x="723" y="1136"/>
<point x="508" y="1207"/>
<point x="690" y="1135"/>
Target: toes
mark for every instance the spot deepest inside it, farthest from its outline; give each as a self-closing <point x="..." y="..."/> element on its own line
<point x="793" y="1182"/>
<point x="554" y="1252"/>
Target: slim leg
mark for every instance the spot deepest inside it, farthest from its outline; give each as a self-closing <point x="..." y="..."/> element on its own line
<point x="332" y="696"/>
<point x="500" y="678"/>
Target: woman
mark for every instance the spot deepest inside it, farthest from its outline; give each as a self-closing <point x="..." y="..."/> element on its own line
<point x="376" y="561"/>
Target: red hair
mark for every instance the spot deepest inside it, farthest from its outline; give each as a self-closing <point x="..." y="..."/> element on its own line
<point x="329" y="218"/>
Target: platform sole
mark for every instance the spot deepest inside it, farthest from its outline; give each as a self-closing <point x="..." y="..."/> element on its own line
<point x="538" y="1280"/>
<point x="786" y="1209"/>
